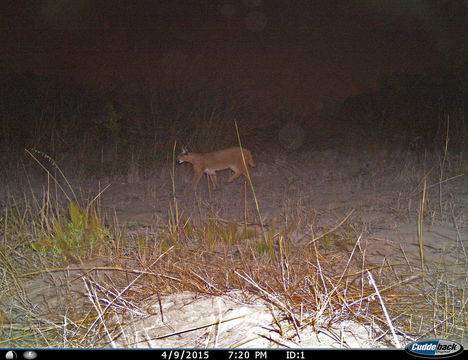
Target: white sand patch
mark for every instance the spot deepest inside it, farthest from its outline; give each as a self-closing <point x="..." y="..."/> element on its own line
<point x="192" y="320"/>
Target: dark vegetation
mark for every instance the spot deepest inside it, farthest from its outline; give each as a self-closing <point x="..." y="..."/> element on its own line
<point x="106" y="131"/>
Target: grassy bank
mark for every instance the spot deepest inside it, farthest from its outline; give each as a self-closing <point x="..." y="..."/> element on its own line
<point x="70" y="269"/>
<point x="73" y="276"/>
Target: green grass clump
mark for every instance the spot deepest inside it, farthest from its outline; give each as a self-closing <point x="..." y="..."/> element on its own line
<point x="78" y="234"/>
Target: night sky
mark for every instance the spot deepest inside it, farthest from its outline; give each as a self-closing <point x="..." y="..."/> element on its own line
<point x="316" y="51"/>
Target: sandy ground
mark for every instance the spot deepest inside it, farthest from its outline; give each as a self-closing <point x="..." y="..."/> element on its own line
<point x="316" y="190"/>
<point x="230" y="321"/>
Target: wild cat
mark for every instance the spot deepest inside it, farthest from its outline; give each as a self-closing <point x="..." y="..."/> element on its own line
<point x="209" y="163"/>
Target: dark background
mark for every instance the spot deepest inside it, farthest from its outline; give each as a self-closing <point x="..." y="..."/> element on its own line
<point x="110" y="68"/>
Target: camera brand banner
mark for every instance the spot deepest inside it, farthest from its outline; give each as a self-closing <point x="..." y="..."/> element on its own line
<point x="434" y="348"/>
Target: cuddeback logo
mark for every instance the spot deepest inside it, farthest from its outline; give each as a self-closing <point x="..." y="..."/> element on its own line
<point x="434" y="348"/>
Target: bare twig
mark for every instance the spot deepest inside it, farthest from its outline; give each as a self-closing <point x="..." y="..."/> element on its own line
<point x="387" y="317"/>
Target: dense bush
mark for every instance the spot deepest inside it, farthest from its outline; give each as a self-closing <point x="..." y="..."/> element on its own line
<point x="412" y="110"/>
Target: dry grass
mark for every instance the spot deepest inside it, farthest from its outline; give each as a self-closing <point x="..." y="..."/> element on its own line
<point x="73" y="278"/>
